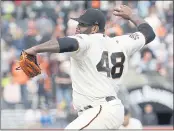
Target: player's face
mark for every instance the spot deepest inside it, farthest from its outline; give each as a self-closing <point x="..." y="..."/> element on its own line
<point x="83" y="29"/>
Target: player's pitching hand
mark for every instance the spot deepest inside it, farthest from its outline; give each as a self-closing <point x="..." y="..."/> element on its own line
<point x="123" y="11"/>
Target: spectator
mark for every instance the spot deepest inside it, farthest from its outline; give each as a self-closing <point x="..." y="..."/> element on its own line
<point x="170" y="68"/>
<point x="169" y="41"/>
<point x="44" y="82"/>
<point x="143" y="7"/>
<point x="114" y="29"/>
<point x="17" y="36"/>
<point x="153" y="19"/>
<point x="20" y="78"/>
<point x="63" y="87"/>
<point x="149" y="117"/>
<point x="43" y="21"/>
<point x="11" y="91"/>
<point x="45" y="119"/>
<point x="6" y="79"/>
<point x="147" y="63"/>
<point x="155" y="23"/>
<point x="30" y="36"/>
<point x="128" y="27"/>
<point x="129" y="122"/>
<point x="8" y="7"/>
<point x="6" y="57"/>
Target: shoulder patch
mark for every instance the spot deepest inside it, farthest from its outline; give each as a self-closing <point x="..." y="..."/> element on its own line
<point x="134" y="36"/>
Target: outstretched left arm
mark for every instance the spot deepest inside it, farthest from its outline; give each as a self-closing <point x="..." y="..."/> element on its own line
<point x="55" y="45"/>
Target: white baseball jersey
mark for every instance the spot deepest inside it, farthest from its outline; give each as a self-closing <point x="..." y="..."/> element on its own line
<point x="99" y="65"/>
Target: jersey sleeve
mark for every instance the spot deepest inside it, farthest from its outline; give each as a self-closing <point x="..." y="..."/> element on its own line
<point x="83" y="45"/>
<point x="131" y="42"/>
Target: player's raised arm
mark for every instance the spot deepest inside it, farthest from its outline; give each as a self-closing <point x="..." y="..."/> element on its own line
<point x="55" y="45"/>
<point x="143" y="27"/>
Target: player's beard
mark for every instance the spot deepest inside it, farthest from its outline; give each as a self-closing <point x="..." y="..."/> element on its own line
<point x="88" y="31"/>
<point x="77" y="31"/>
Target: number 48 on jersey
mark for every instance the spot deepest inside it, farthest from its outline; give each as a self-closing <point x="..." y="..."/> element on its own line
<point x="116" y="64"/>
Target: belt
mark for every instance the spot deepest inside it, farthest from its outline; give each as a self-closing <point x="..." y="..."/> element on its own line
<point x="108" y="98"/>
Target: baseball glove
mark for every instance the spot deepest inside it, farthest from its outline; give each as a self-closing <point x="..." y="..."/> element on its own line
<point x="28" y="63"/>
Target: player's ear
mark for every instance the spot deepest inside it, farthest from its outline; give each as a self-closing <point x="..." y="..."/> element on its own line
<point x="95" y="29"/>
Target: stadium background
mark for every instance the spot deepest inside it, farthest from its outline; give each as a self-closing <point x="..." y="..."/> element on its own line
<point x="45" y="101"/>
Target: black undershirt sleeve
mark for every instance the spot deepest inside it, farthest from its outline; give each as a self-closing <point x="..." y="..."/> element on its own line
<point x="147" y="31"/>
<point x="68" y="44"/>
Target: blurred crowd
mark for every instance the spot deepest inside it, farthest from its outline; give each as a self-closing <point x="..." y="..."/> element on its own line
<point x="28" y="23"/>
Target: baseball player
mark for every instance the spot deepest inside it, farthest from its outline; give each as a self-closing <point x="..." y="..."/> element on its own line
<point x="98" y="65"/>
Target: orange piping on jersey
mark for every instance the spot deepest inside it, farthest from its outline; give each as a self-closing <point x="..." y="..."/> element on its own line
<point x="92" y="119"/>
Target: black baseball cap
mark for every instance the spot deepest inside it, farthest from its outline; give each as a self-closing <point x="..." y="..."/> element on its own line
<point x="92" y="17"/>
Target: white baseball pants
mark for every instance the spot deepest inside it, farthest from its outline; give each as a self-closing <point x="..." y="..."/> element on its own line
<point x="109" y="115"/>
